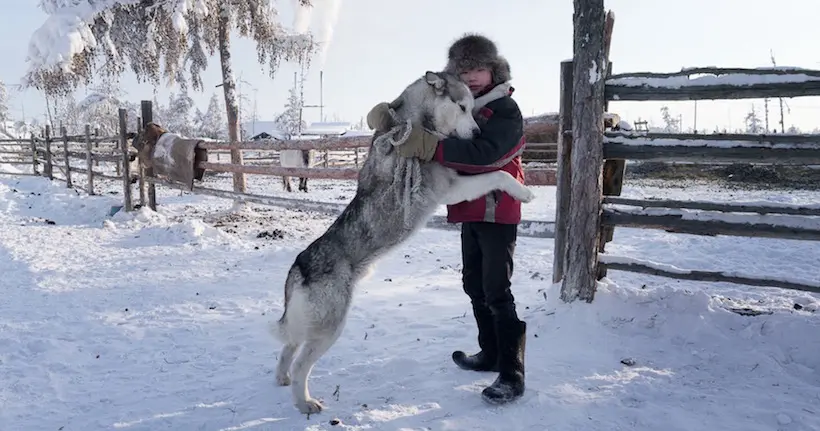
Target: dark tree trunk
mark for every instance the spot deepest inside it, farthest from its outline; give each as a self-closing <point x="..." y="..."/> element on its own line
<point x="229" y="87"/>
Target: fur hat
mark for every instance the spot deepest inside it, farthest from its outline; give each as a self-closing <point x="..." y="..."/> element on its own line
<point x="474" y="50"/>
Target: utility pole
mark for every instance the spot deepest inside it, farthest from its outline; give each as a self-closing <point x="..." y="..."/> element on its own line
<point x="321" y="105"/>
<point x="782" y="121"/>
<point x="695" y="123"/>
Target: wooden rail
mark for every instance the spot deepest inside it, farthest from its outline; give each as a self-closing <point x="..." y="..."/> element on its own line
<point x="40" y="151"/>
<point x="720" y="83"/>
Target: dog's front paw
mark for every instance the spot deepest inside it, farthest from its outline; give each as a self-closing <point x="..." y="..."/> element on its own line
<point x="309" y="406"/>
<point x="283" y="379"/>
<point x="525" y="195"/>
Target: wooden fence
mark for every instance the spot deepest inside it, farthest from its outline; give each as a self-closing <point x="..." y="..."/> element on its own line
<point x="356" y="145"/>
<point x="57" y="157"/>
<point x="588" y="209"/>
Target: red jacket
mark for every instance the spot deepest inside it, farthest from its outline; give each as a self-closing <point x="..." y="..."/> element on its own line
<point x="499" y="147"/>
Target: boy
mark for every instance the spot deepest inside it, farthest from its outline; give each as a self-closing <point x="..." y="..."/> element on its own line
<point x="489" y="224"/>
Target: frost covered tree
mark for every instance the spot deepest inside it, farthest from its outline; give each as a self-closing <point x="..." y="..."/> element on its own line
<point x="210" y="124"/>
<point x="670" y="123"/>
<point x="68" y="114"/>
<point x="157" y="39"/>
<point x="291" y="121"/>
<point x="99" y="108"/>
<point x="179" y="115"/>
<point x="4" y="104"/>
<point x="754" y="124"/>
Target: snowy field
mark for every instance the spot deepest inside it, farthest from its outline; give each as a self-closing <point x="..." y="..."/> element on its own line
<point x="159" y="321"/>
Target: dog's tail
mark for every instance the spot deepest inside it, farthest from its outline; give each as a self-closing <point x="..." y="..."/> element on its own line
<point x="283" y="329"/>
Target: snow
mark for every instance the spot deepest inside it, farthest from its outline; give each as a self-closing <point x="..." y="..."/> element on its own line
<point x="734" y="79"/>
<point x="594" y="73"/>
<point x="623" y="125"/>
<point x="67" y="29"/>
<point x="63" y="35"/>
<point x="158" y="321"/>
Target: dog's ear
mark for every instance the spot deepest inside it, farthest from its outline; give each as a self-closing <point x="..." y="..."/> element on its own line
<point x="436" y="81"/>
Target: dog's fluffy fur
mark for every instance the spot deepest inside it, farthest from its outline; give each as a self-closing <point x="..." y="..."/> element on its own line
<point x="383" y="213"/>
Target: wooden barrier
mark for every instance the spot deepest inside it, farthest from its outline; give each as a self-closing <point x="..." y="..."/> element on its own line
<point x="584" y="203"/>
<point x="36" y="151"/>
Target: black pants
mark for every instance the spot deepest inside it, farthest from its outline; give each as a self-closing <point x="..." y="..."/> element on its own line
<point x="487" y="257"/>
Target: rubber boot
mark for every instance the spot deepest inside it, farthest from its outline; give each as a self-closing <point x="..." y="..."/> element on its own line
<point x="509" y="386"/>
<point x="487" y="358"/>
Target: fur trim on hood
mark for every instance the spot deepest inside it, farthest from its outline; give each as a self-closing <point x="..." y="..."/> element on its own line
<point x="474" y="50"/>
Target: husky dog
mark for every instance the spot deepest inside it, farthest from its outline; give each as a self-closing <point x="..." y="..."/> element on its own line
<point x="395" y="197"/>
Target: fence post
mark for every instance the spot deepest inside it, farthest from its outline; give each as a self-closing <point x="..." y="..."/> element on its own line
<point x="126" y="175"/>
<point x="34" y="161"/>
<point x="613" y="169"/>
<point x="584" y="216"/>
<point x="89" y="159"/>
<point x="67" y="158"/>
<point x="49" y="164"/>
<point x="96" y="143"/>
<point x="141" y="169"/>
<point x="563" y="188"/>
<point x="147" y="117"/>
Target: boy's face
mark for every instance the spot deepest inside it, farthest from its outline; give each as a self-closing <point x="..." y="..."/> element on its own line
<point x="477" y="79"/>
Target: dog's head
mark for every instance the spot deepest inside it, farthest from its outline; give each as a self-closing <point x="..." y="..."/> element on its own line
<point x="145" y="141"/>
<point x="441" y="103"/>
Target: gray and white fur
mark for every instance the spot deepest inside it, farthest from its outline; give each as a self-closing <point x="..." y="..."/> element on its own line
<point x="395" y="197"/>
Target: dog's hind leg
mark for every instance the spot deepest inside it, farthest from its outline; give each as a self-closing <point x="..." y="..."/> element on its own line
<point x="285" y="360"/>
<point x="467" y="188"/>
<point x="311" y="351"/>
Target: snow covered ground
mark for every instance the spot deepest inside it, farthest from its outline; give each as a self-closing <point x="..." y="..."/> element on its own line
<point x="158" y="321"/>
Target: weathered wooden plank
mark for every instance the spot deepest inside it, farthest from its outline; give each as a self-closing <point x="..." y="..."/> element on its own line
<point x="33" y="146"/>
<point x="147" y="115"/>
<point x="713" y="206"/>
<point x="126" y="171"/>
<point x="66" y="158"/>
<point x="651" y="151"/>
<point x="97" y="174"/>
<point x="676" y="223"/>
<point x="716" y="139"/>
<point x="613" y="170"/>
<point x="712" y="276"/>
<point x="25" y="174"/>
<point x="531" y="176"/>
<point x="623" y="90"/>
<point x="721" y="71"/>
<point x="563" y="188"/>
<point x="528" y="228"/>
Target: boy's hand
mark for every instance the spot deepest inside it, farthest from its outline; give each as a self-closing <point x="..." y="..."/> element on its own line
<point x="420" y="144"/>
<point x="379" y="118"/>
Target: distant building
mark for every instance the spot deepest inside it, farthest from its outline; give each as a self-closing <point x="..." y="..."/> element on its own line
<point x="255" y="128"/>
<point x="327" y="129"/>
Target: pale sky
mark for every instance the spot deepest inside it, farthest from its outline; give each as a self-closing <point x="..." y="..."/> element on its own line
<point x="380" y="46"/>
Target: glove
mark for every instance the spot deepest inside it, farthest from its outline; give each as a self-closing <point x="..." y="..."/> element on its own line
<point x="420" y="144"/>
<point x="379" y="118"/>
